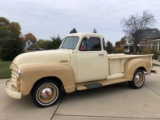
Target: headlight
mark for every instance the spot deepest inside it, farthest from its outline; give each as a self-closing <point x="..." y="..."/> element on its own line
<point x="18" y="73"/>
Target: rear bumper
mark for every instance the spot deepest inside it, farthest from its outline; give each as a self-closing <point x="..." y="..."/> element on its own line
<point x="11" y="91"/>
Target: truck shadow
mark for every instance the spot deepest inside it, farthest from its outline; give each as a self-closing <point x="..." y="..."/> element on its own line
<point x="26" y="101"/>
<point x="110" y="90"/>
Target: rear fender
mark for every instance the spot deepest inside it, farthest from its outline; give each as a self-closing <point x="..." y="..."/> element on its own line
<point x="133" y="64"/>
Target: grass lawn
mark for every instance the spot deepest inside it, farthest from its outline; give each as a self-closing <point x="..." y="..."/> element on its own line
<point x="5" y="71"/>
<point x="156" y="64"/>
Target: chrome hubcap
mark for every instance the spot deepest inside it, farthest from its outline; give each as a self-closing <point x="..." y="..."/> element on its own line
<point x="139" y="79"/>
<point x="46" y="93"/>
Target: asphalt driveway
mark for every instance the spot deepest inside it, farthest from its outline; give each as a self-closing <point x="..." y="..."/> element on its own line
<point x="115" y="102"/>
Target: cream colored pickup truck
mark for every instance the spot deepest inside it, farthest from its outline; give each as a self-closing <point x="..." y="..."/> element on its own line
<point x="80" y="63"/>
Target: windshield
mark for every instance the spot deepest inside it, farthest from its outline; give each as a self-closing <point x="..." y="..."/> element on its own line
<point x="70" y="42"/>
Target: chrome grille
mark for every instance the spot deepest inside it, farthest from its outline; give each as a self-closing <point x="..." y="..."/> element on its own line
<point x="14" y="78"/>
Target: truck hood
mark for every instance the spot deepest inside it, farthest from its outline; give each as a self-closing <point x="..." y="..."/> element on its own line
<point x="48" y="56"/>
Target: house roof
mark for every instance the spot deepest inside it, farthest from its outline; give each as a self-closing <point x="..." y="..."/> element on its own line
<point x="151" y="34"/>
<point x="33" y="41"/>
<point x="24" y="42"/>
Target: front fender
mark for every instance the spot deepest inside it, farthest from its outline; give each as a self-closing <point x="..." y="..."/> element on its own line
<point x="30" y="74"/>
<point x="132" y="65"/>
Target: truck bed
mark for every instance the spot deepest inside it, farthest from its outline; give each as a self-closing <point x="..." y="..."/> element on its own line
<point x="116" y="63"/>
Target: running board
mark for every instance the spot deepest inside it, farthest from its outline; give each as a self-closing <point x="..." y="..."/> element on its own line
<point x="93" y="85"/>
<point x="100" y="83"/>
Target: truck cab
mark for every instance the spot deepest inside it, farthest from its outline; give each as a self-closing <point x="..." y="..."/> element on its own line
<point x="88" y="56"/>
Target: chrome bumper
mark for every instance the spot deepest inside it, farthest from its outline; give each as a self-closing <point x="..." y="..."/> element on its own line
<point x="11" y="91"/>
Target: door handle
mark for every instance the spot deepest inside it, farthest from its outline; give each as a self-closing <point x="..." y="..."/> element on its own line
<point x="100" y="54"/>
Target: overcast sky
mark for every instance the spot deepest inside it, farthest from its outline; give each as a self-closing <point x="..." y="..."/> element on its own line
<point x="48" y="18"/>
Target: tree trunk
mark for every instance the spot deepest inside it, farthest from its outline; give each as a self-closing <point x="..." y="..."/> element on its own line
<point x="134" y="50"/>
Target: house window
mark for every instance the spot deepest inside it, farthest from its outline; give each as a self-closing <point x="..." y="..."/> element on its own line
<point x="29" y="43"/>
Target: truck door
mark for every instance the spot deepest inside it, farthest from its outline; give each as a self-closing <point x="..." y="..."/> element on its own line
<point x="91" y="61"/>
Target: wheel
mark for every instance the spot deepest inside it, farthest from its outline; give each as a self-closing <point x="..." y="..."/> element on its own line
<point x="45" y="93"/>
<point x="138" y="79"/>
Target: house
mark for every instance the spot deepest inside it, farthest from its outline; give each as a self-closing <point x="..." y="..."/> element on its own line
<point x="150" y="39"/>
<point x="28" y="44"/>
<point x="28" y="41"/>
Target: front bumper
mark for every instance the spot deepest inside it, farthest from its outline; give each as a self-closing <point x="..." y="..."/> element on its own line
<point x="11" y="91"/>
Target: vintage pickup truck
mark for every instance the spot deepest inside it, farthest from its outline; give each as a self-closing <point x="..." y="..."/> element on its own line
<point x="80" y="63"/>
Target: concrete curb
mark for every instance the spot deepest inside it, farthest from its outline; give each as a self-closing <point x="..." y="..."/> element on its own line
<point x="156" y="62"/>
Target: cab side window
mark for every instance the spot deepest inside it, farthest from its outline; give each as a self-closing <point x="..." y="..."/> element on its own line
<point x="90" y="44"/>
<point x="83" y="46"/>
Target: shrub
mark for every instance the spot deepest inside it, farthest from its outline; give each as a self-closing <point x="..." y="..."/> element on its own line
<point x="150" y="51"/>
<point x="10" y="49"/>
<point x="119" y="50"/>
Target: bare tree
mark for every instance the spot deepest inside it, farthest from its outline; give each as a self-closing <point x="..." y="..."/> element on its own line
<point x="136" y="25"/>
